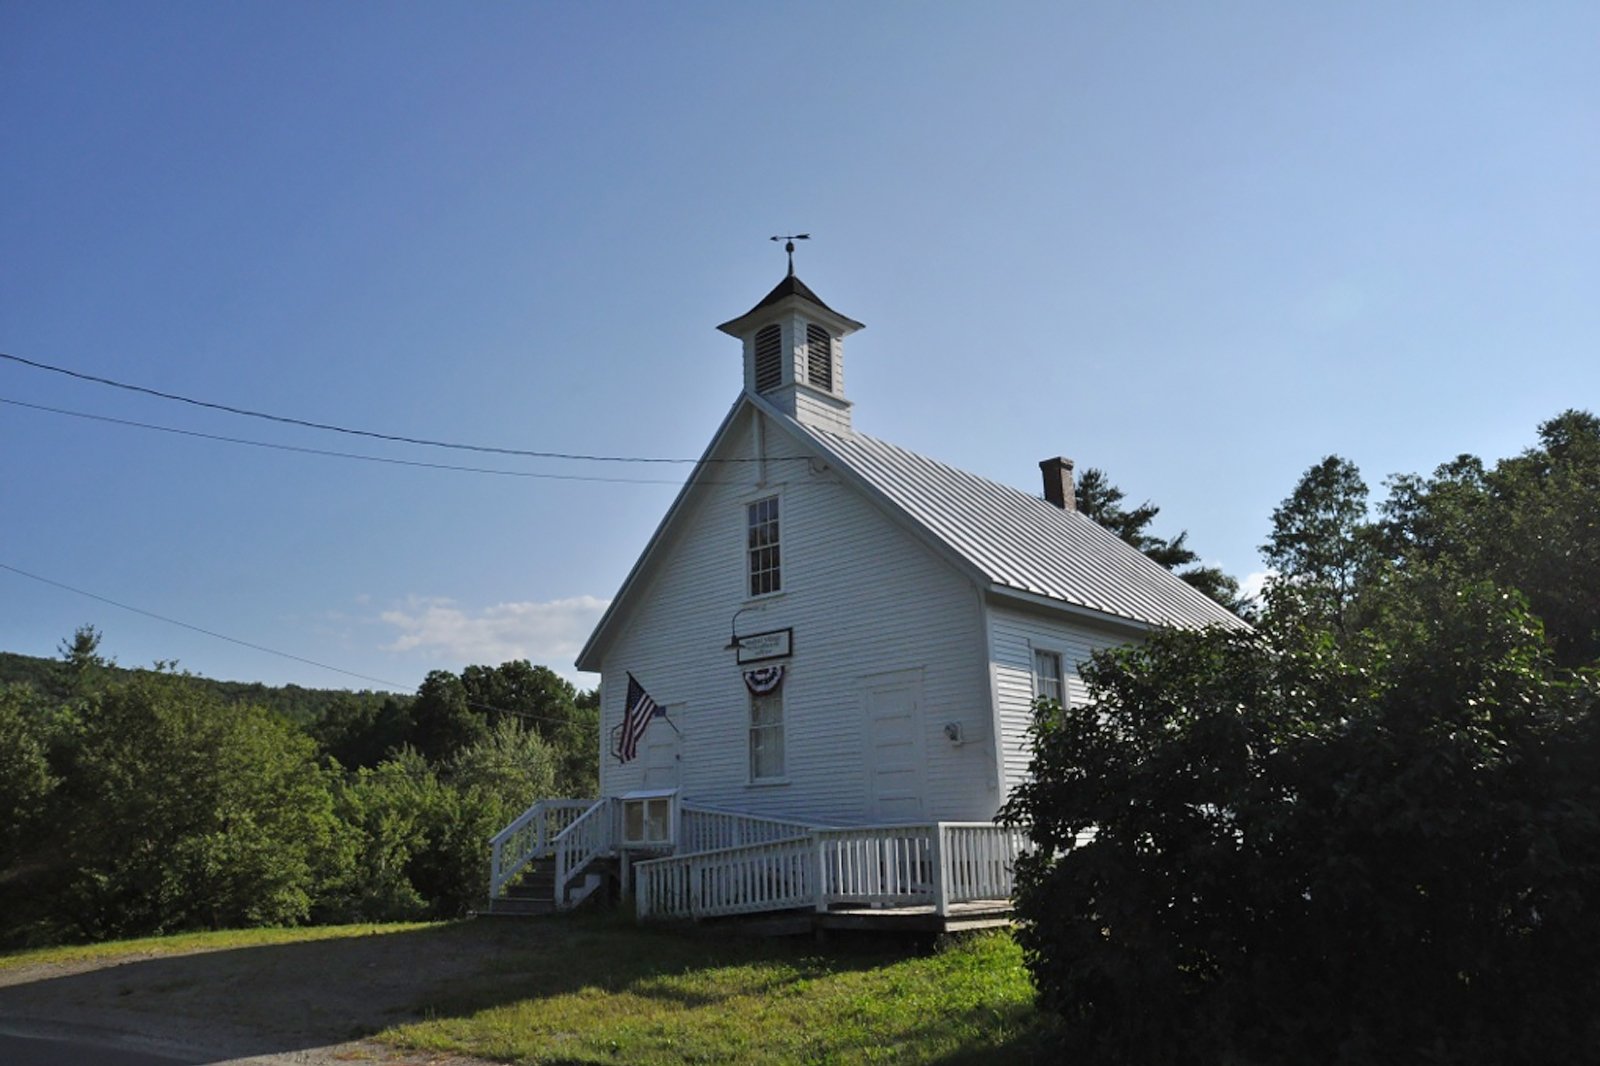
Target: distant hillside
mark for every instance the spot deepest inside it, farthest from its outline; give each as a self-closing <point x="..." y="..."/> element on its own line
<point x="300" y="705"/>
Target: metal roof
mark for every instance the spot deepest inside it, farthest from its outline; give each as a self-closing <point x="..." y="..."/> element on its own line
<point x="1019" y="541"/>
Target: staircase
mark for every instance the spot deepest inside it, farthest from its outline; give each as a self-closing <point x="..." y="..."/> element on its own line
<point x="555" y="855"/>
<point x="533" y="893"/>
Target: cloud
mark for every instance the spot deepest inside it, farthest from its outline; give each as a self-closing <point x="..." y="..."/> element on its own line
<point x="551" y="632"/>
<point x="1253" y="584"/>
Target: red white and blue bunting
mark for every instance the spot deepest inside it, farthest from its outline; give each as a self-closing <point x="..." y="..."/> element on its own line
<point x="763" y="680"/>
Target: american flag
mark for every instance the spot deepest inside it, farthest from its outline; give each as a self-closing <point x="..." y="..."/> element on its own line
<point x="636" y="719"/>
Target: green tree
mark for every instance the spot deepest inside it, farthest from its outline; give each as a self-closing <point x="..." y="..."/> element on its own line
<point x="442" y="718"/>
<point x="1099" y="499"/>
<point x="83" y="669"/>
<point x="26" y="782"/>
<point x="1270" y="848"/>
<point x="187" y="811"/>
<point x="359" y="731"/>
<point x="1319" y="544"/>
<point x="548" y="704"/>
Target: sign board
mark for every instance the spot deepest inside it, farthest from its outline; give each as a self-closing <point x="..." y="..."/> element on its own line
<point x="758" y="647"/>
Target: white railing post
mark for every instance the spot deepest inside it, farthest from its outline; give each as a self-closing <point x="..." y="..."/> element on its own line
<point x="820" y="860"/>
<point x="941" y="871"/>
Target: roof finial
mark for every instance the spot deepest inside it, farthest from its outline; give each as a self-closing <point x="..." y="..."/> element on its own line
<point x="789" y="240"/>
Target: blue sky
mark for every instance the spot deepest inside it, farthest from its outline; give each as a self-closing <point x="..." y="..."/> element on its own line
<point x="1200" y="246"/>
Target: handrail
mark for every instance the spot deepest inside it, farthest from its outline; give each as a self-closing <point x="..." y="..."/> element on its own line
<point x="590" y="836"/>
<point x="918" y="864"/>
<point x="771" y="875"/>
<point x="707" y="828"/>
<point x="528" y="837"/>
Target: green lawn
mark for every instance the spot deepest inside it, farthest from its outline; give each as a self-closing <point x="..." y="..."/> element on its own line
<point x="189" y="943"/>
<point x="597" y="989"/>
<point x="619" y="994"/>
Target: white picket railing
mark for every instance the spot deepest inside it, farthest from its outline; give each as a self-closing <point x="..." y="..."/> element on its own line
<point x="529" y="837"/>
<point x="884" y="865"/>
<point x="705" y="828"/>
<point x="592" y="835"/>
<point x="774" y="875"/>
<point x="977" y="860"/>
<point x="932" y="865"/>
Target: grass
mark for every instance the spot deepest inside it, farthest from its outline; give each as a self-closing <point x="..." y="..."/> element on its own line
<point x="596" y="989"/>
<point x="621" y="994"/>
<point x="189" y="943"/>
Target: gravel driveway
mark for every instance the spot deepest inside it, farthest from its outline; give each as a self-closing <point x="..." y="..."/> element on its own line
<point x="307" y="1003"/>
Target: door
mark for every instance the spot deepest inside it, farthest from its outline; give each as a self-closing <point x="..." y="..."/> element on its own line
<point x="894" y="747"/>
<point x="661" y="750"/>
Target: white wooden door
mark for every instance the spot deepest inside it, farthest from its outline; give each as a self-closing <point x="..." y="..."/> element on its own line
<point x="894" y="748"/>
<point x="661" y="750"/>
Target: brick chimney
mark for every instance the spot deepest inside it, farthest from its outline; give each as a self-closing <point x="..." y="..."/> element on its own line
<point x="1058" y="482"/>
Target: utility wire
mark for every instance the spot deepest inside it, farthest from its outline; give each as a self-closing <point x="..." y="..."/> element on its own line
<point x="198" y="629"/>
<point x="396" y="685"/>
<point x="334" y="454"/>
<point x="287" y="420"/>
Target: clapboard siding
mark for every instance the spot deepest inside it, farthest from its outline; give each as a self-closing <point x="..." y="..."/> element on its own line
<point x="862" y="597"/>
<point x="1013" y="636"/>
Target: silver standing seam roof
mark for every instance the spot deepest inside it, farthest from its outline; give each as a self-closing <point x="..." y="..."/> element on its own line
<point x="1018" y="541"/>
<point x="1014" y="541"/>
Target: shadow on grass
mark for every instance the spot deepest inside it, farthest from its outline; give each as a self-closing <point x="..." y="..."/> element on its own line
<point x="282" y="998"/>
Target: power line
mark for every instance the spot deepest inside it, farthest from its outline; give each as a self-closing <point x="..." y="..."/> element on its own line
<point x="331" y="428"/>
<point x="397" y="685"/>
<point x="334" y="454"/>
<point x="199" y="629"/>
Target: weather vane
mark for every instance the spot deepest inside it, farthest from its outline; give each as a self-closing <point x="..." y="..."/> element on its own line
<point x="789" y="239"/>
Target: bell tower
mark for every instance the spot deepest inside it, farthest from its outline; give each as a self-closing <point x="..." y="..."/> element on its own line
<point x="794" y="353"/>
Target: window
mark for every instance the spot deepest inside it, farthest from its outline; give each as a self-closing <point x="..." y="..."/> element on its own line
<point x="769" y="358"/>
<point x="762" y="547"/>
<point x="819" y="357"/>
<point x="766" y="736"/>
<point x="647" y="819"/>
<point x="1047" y="675"/>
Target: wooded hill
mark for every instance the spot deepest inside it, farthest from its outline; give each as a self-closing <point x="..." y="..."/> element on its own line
<point x="303" y="706"/>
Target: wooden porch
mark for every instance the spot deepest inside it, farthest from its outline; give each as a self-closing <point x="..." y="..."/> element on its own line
<point x="689" y="862"/>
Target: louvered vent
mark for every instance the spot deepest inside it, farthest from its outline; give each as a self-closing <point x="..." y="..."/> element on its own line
<point x="819" y="357"/>
<point x="769" y="358"/>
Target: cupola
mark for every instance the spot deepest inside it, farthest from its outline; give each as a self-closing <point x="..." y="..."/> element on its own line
<point x="793" y="353"/>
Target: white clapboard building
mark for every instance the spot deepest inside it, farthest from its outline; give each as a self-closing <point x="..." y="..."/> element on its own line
<point x="818" y="677"/>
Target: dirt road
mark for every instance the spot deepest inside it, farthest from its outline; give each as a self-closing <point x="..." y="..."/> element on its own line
<point x="308" y="1003"/>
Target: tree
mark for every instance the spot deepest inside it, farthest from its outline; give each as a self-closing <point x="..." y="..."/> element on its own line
<point x="25" y="778"/>
<point x="83" y="668"/>
<point x="1319" y="546"/>
<point x="360" y="732"/>
<point x="1364" y="832"/>
<point x="1099" y="499"/>
<point x="442" y="720"/>
<point x="187" y="811"/>
<point x="1268" y="848"/>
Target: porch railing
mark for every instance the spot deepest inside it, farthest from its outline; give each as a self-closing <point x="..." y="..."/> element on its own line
<point x="931" y="865"/>
<point x="529" y="837"/>
<point x="705" y="828"/>
<point x="775" y="875"/>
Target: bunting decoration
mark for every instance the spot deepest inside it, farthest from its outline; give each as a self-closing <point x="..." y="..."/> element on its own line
<point x="763" y="680"/>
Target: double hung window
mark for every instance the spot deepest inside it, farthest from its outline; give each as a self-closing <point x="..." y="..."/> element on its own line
<point x="766" y="736"/>
<point x="762" y="546"/>
<point x="1047" y="675"/>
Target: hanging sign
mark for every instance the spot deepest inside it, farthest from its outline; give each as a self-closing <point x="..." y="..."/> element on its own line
<point x="758" y="647"/>
<point x="763" y="679"/>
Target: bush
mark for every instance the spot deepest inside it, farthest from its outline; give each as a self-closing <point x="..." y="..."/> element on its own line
<point x="1381" y="851"/>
